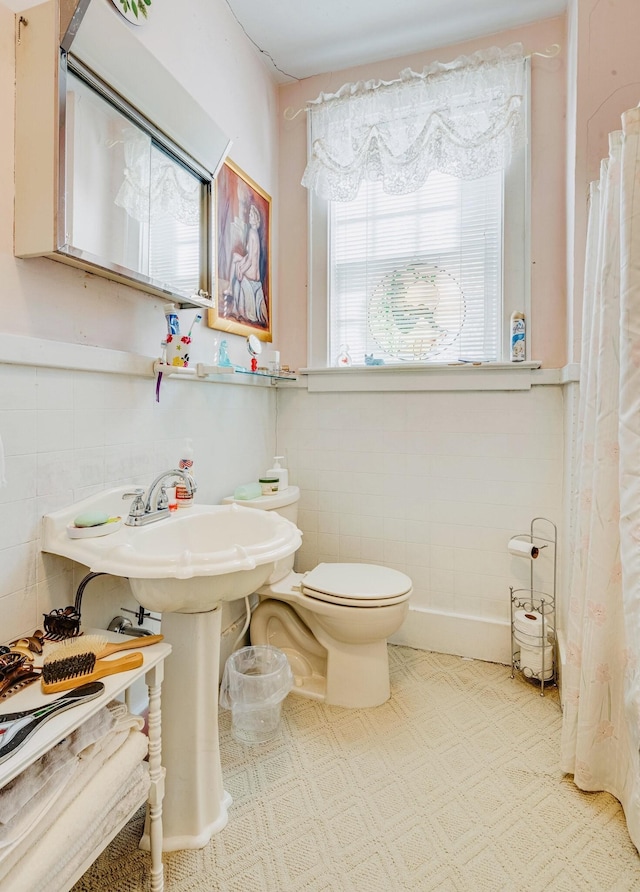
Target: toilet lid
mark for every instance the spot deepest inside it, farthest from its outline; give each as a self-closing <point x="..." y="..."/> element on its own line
<point x="362" y="584"/>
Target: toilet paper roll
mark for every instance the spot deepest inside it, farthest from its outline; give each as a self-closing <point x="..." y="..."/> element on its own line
<point x="531" y="640"/>
<point x="523" y="549"/>
<point x="531" y="661"/>
<point x="530" y="623"/>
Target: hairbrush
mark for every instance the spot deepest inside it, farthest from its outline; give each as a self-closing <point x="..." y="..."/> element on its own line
<point x="61" y="673"/>
<point x="100" y="645"/>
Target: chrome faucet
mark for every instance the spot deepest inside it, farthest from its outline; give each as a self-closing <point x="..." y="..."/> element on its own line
<point x="147" y="509"/>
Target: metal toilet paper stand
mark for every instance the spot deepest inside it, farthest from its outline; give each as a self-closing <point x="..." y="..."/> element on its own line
<point x="533" y="625"/>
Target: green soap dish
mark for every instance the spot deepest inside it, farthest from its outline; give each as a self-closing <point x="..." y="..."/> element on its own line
<point x="104" y="528"/>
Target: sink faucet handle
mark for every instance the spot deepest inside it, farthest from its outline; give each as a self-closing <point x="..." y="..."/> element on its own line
<point x="137" y="506"/>
<point x="163" y="498"/>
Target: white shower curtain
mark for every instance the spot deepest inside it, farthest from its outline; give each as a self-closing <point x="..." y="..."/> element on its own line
<point x="601" y="682"/>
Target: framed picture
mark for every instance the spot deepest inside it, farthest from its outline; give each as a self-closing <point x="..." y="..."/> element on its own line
<point x="243" y="255"/>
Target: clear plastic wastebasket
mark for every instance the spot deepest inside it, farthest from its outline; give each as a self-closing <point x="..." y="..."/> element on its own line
<point x="255" y="681"/>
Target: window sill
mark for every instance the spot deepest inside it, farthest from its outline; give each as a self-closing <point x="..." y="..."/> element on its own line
<point x="436" y="376"/>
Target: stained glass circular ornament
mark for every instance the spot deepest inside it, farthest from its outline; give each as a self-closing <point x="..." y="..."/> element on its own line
<point x="416" y="312"/>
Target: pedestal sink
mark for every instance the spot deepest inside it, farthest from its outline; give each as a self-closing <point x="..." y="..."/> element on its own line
<point x="184" y="566"/>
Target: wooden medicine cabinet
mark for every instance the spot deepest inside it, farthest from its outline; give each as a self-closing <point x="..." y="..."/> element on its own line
<point x="115" y="161"/>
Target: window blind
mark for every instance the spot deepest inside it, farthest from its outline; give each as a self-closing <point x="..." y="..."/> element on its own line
<point x="174" y="243"/>
<point x="417" y="277"/>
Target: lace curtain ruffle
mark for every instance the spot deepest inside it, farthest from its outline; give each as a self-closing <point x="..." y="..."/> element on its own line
<point x="462" y="118"/>
<point x="154" y="185"/>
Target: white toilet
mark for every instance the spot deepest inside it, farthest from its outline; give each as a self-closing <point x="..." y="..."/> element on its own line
<point x="332" y="622"/>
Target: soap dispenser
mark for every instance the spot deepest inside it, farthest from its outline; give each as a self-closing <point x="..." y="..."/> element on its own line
<point x="278" y="471"/>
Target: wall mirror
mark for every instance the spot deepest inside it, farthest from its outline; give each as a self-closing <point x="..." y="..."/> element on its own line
<point x="135" y="156"/>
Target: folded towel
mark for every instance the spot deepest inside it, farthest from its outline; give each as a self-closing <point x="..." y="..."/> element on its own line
<point x="54" y="866"/>
<point x="26" y="800"/>
<point x="54" y="767"/>
<point x="34" y="812"/>
<point x="118" y="709"/>
<point x="58" y="839"/>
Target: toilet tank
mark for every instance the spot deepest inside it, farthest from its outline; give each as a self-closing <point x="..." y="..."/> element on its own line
<point x="285" y="503"/>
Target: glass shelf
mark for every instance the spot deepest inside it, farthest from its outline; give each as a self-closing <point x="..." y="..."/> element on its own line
<point x="202" y="371"/>
<point x="276" y="376"/>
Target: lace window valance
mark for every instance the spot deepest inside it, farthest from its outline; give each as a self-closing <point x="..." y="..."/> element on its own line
<point x="463" y="118"/>
<point x="155" y="185"/>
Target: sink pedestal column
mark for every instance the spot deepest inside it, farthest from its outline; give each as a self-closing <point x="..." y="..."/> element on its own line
<point x="195" y="803"/>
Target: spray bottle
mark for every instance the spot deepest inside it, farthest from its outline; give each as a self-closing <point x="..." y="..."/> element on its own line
<point x="518" y="337"/>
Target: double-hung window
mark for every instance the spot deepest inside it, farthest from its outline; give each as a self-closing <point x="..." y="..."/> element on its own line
<point x="429" y="275"/>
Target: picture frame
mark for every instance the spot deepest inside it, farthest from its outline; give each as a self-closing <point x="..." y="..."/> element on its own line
<point x="243" y="304"/>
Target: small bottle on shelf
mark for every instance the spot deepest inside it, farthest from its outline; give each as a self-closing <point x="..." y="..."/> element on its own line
<point x="344" y="359"/>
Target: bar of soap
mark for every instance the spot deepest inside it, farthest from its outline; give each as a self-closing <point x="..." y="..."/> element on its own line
<point x="247" y="491"/>
<point x="91" y="519"/>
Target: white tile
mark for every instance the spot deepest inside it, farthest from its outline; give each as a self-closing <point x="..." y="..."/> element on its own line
<point x="54" y="389"/>
<point x="443" y="534"/>
<point x="18" y="431"/>
<point x="54" y="430"/>
<point x="442" y="557"/>
<point x="442" y="601"/>
<point x="328" y="522"/>
<point x="420" y="576"/>
<point x="88" y="468"/>
<point x="349" y="548"/>
<point x="417" y="531"/>
<point x="118" y="426"/>
<point x="417" y="553"/>
<point x="308" y="521"/>
<point x="492" y="563"/>
<point x="117" y="465"/>
<point x="18" y="388"/>
<point x="347" y="503"/>
<point x="20" y="474"/>
<point x="372" y="505"/>
<point x="19" y="523"/>
<point x="395" y="529"/>
<point x="394" y="552"/>
<point x="328" y="544"/>
<point x="54" y="472"/>
<point x="88" y="428"/>
<point x="18" y="568"/>
<point x="393" y="505"/>
<point x="372" y="527"/>
<point x="350" y="525"/>
<point x="480" y="586"/>
<point x="19" y="614"/>
<point x="371" y="549"/>
<point x="442" y="580"/>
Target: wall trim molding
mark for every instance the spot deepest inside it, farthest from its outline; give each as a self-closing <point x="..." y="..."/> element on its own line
<point x="437" y="377"/>
<point x="43" y="353"/>
<point x="465" y="636"/>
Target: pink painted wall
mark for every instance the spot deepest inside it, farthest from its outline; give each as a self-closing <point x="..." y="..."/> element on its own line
<point x="548" y="92"/>
<point x="206" y="50"/>
<point x="604" y="81"/>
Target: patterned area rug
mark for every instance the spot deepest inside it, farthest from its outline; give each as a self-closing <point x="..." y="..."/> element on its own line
<point x="453" y="784"/>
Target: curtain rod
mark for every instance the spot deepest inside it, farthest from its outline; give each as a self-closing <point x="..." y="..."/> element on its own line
<point x="550" y="53"/>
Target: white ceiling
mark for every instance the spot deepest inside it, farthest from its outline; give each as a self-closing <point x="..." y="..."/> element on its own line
<point x="307" y="38"/>
<point x="302" y="38"/>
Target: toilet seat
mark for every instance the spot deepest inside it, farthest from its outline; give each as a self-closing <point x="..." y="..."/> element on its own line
<point x="356" y="585"/>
